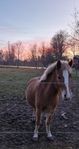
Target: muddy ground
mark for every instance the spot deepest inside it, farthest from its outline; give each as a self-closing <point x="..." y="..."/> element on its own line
<point x="16" y="125"/>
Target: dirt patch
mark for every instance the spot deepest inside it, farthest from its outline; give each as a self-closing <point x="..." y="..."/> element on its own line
<point x="16" y="125"/>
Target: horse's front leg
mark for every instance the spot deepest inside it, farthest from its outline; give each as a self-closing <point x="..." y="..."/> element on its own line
<point x="37" y="123"/>
<point x="48" y="131"/>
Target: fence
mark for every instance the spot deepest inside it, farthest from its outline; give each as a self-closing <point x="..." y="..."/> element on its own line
<point x="12" y="111"/>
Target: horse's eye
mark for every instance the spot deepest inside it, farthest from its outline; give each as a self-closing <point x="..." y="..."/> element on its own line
<point x="59" y="77"/>
<point x="70" y="75"/>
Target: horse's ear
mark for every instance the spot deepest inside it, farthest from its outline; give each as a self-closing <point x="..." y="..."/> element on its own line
<point x="58" y="64"/>
<point x="70" y="63"/>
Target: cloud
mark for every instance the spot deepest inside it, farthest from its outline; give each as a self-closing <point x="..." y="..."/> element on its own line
<point x="6" y="29"/>
<point x="12" y="30"/>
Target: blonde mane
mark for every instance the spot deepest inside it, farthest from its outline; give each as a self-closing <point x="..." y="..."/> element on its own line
<point x="51" y="67"/>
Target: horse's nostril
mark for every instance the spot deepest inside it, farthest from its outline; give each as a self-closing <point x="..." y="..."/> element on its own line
<point x="65" y="95"/>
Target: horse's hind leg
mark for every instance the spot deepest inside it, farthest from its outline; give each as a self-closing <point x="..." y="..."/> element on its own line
<point x="33" y="116"/>
<point x="48" y="131"/>
<point x="38" y="115"/>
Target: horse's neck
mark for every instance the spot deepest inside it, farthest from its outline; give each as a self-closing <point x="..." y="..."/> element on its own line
<point x="50" y="84"/>
<point x="52" y="77"/>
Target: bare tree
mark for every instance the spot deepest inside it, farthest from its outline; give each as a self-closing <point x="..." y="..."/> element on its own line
<point x="1" y="56"/>
<point x="34" y="55"/>
<point x="42" y="52"/>
<point x="75" y="26"/>
<point x="19" y="51"/>
<point x="42" y="49"/>
<point x="6" y="56"/>
<point x="58" y="43"/>
<point x="12" y="56"/>
<point x="75" y="32"/>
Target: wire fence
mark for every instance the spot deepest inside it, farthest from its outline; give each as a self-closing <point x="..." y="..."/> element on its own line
<point x="8" y="109"/>
<point x="31" y="132"/>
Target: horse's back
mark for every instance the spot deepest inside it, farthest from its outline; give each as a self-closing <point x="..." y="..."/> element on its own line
<point x="31" y="90"/>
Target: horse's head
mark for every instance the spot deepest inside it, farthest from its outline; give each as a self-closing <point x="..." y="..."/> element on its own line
<point x="64" y="71"/>
<point x="59" y="74"/>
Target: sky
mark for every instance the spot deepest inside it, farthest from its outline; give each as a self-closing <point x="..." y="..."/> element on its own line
<point x="34" y="19"/>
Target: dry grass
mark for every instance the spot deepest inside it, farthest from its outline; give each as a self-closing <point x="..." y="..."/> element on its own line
<point x="15" y="115"/>
<point x="13" y="81"/>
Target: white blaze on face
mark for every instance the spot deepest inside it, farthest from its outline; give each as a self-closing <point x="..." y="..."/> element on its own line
<point x="66" y="82"/>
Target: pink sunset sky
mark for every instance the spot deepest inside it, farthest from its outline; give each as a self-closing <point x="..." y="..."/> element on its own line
<point x="28" y="20"/>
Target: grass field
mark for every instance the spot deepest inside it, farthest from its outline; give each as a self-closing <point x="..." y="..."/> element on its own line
<point x="16" y="115"/>
<point x="13" y="81"/>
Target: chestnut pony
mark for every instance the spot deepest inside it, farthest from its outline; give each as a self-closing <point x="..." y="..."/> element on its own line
<point x="43" y="92"/>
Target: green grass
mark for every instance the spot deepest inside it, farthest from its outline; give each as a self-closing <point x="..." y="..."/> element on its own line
<point x="75" y="74"/>
<point x="13" y="81"/>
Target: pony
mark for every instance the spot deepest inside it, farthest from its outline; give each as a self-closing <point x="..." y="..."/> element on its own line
<point x="43" y="92"/>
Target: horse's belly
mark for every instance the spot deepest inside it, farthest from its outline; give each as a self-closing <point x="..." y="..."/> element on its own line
<point x="30" y="94"/>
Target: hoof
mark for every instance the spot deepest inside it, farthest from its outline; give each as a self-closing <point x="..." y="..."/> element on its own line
<point x="50" y="138"/>
<point x="35" y="139"/>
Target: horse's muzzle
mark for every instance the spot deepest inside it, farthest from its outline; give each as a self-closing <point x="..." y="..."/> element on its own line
<point x="66" y="98"/>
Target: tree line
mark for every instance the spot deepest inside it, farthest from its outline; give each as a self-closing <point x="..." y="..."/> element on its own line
<point x="42" y="56"/>
<point x="59" y="43"/>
